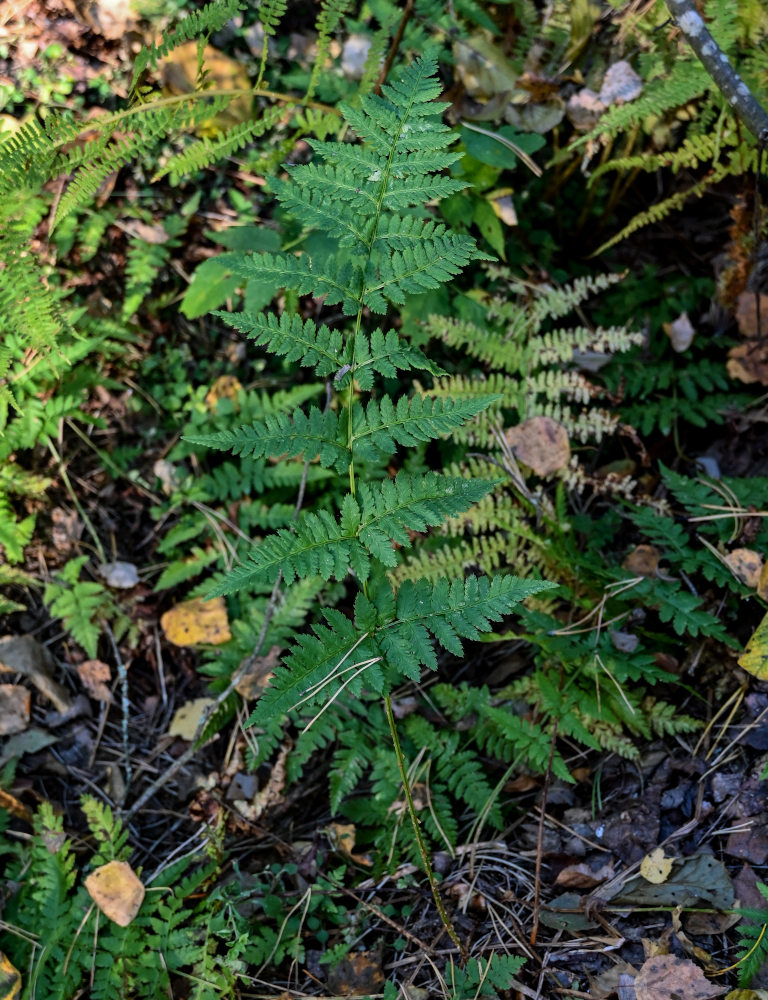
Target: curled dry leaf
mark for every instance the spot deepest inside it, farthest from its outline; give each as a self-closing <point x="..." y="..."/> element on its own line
<point x="745" y="564"/>
<point x="95" y="675"/>
<point x="540" y="443"/>
<point x="746" y="315"/>
<point x="666" y="976"/>
<point x="581" y="876"/>
<point x="15" y="705"/>
<point x="197" y="621"/>
<point x="117" y="891"/>
<point x="748" y="362"/>
<point x="258" y="671"/>
<point x="23" y="654"/>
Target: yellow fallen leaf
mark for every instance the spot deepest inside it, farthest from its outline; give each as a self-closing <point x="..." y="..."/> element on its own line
<point x="342" y="837"/>
<point x="180" y="73"/>
<point x="745" y="564"/>
<point x="187" y="718"/>
<point x="762" y="583"/>
<point x="224" y="387"/>
<point x="754" y="659"/>
<point x="10" y="979"/>
<point x="655" y="868"/>
<point x="196" y="621"/>
<point x="117" y="891"/>
<point x="747" y="995"/>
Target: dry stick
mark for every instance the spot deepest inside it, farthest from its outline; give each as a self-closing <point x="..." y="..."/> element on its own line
<point x="422" y="848"/>
<point x="540" y="839"/>
<point x="717" y="64"/>
<point x="394" y="46"/>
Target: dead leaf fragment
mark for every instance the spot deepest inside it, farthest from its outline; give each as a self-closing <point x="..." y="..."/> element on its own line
<point x="655" y="867"/>
<point x="197" y="621"/>
<point x="666" y="976"/>
<point x="358" y="974"/>
<point x="540" y="443"/>
<point x="187" y="718"/>
<point x="581" y="876"/>
<point x="120" y="575"/>
<point x="23" y="654"/>
<point x="745" y="564"/>
<point x="10" y="979"/>
<point x="748" y="362"/>
<point x="620" y="84"/>
<point x="746" y="314"/>
<point x="224" y="387"/>
<point x="258" y="673"/>
<point x="643" y="560"/>
<point x="342" y="836"/>
<point x="95" y="675"/>
<point x="680" y="333"/>
<point x="762" y="583"/>
<point x="15" y="705"/>
<point x="754" y="659"/>
<point x="117" y="891"/>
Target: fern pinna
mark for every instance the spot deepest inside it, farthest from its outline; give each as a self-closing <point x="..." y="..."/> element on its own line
<point x="370" y="199"/>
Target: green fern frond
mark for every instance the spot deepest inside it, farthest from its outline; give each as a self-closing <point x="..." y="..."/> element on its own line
<point x="201" y="154"/>
<point x="328" y="21"/>
<point x="197" y="24"/>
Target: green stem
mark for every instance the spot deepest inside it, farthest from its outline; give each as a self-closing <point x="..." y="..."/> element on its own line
<point x="422" y="847"/>
<point x="78" y="506"/>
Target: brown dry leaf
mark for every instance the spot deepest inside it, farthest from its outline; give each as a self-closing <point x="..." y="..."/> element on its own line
<point x="358" y="974"/>
<point x="187" y="718"/>
<point x="665" y="976"/>
<point x="643" y="560"/>
<point x="110" y="18"/>
<point x="197" y="621"/>
<point x="342" y="836"/>
<point x="15" y="705"/>
<point x="680" y="333"/>
<point x="689" y="947"/>
<point x="224" y="387"/>
<point x="117" y="891"/>
<point x="95" y="675"/>
<point x="23" y="654"/>
<point x="749" y="362"/>
<point x="541" y="443"/>
<point x="10" y="979"/>
<point x="746" y="314"/>
<point x="655" y="868"/>
<point x="258" y="673"/>
<point x="12" y="805"/>
<point x="581" y="876"/>
<point x="745" y="564"/>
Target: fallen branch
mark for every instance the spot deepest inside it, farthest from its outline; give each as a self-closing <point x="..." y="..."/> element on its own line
<point x="717" y="64"/>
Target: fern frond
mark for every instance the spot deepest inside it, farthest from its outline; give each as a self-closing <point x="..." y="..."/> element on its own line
<point x="331" y="13"/>
<point x="201" y="154"/>
<point x="197" y="24"/>
<point x="340" y="281"/>
<point x="376" y="428"/>
<point x="313" y="435"/>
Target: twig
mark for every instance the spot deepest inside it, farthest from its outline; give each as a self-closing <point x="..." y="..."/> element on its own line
<point x="422" y="848"/>
<point x="540" y="839"/>
<point x="716" y="63"/>
<point x="122" y="673"/>
<point x="394" y="46"/>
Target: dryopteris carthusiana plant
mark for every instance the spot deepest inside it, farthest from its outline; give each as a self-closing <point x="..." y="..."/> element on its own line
<point x="371" y="199"/>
